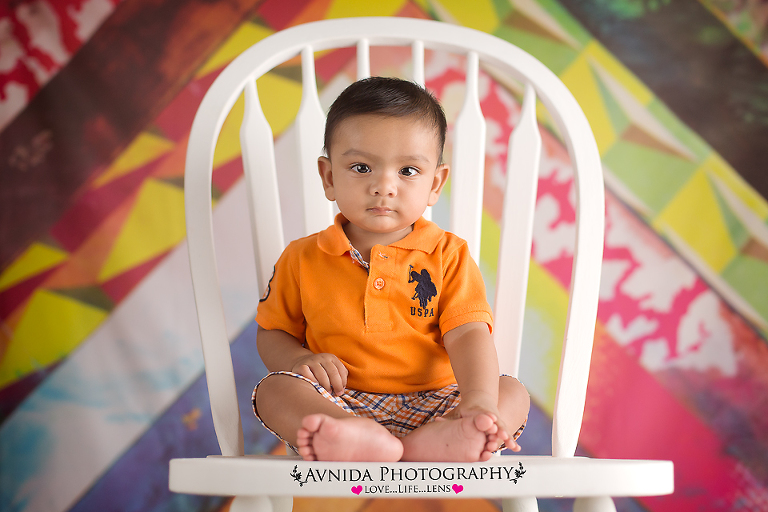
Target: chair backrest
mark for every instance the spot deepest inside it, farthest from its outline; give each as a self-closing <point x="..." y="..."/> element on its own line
<point x="466" y="199"/>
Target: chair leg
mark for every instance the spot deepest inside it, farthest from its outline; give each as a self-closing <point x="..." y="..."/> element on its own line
<point x="261" y="504"/>
<point x="594" y="504"/>
<point x="281" y="503"/>
<point x="519" y="504"/>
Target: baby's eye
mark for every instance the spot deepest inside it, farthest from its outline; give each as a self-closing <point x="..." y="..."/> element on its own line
<point x="361" y="168"/>
<point x="409" y="171"/>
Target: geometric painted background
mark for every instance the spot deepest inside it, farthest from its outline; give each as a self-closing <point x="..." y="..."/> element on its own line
<point x="100" y="372"/>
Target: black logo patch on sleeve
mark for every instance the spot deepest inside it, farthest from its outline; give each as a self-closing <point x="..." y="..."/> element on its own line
<point x="269" y="285"/>
<point x="425" y="291"/>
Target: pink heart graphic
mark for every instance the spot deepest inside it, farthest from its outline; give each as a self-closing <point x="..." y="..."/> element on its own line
<point x="357" y="489"/>
<point x="457" y="488"/>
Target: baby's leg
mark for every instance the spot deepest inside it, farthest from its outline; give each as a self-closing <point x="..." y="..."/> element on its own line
<point x="514" y="405"/>
<point x="319" y="428"/>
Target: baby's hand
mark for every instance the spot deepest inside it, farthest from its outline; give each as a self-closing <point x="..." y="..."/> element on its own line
<point x="325" y="369"/>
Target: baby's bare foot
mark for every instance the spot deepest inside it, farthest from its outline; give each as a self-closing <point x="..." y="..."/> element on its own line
<point x="469" y="439"/>
<point x="322" y="437"/>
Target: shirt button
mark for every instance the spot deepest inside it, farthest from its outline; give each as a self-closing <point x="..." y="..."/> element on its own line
<point x="378" y="283"/>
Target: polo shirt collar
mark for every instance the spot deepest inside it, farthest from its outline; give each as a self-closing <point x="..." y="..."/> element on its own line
<point x="424" y="237"/>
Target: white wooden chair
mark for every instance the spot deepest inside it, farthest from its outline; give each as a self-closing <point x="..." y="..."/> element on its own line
<point x="269" y="482"/>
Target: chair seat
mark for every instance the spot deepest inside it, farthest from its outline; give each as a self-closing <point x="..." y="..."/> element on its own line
<point x="500" y="477"/>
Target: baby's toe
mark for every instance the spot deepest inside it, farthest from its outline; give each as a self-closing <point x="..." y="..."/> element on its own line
<point x="485" y="423"/>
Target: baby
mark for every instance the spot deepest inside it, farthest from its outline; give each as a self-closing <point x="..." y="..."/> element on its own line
<point x="377" y="331"/>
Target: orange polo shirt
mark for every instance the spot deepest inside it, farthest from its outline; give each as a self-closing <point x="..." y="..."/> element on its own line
<point x="384" y="324"/>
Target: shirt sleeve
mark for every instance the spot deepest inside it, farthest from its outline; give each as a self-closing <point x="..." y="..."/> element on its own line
<point x="280" y="308"/>
<point x="463" y="298"/>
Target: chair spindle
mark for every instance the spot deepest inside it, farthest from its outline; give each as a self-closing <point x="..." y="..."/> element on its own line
<point x="258" y="146"/>
<point x="523" y="157"/>
<point x="468" y="156"/>
<point x="417" y="58"/>
<point x="363" y="59"/>
<point x="310" y="124"/>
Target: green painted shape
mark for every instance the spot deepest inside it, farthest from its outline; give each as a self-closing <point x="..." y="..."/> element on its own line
<point x="619" y="119"/>
<point x="739" y="233"/>
<point x="687" y="137"/>
<point x="632" y="9"/>
<point x="91" y="295"/>
<point x="652" y="176"/>
<point x="749" y="277"/>
<point x="557" y="57"/>
<point x="490" y="240"/>
<point x="502" y="8"/>
<point x="714" y="35"/>
<point x="566" y="21"/>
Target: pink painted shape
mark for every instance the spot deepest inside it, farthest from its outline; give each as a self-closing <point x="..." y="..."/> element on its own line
<point x="629" y="414"/>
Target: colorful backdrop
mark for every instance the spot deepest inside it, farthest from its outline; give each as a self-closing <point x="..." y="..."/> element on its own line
<point x="100" y="368"/>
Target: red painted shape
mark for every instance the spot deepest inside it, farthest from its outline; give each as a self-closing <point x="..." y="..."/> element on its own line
<point x="11" y="298"/>
<point x="332" y="62"/>
<point x="226" y="175"/>
<point x="120" y="286"/>
<point x="175" y="121"/>
<point x="90" y="210"/>
<point x="278" y="14"/>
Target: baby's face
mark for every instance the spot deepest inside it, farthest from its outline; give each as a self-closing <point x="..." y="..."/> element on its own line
<point x="383" y="172"/>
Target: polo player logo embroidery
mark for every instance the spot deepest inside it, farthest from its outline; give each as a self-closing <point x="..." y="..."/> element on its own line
<point x="425" y="291"/>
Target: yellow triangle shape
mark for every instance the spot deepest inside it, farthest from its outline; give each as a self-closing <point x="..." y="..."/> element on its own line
<point x="244" y="37"/>
<point x="694" y="215"/>
<point x="280" y="98"/>
<point x="37" y="258"/>
<point x="144" y="149"/>
<point x="578" y="77"/>
<point x="283" y="98"/>
<point x="477" y="14"/>
<point x="613" y="67"/>
<point x="52" y="326"/>
<point x="546" y="307"/>
<point x="228" y="145"/>
<point x="353" y="8"/>
<point x="155" y="225"/>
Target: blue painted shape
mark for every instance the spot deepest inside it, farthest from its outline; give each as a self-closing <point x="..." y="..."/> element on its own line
<point x="138" y="481"/>
<point x="23" y="453"/>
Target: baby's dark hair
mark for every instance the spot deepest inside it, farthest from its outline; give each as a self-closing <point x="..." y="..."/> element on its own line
<point x="389" y="97"/>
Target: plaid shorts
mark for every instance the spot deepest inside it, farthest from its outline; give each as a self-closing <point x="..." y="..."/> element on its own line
<point x="399" y="413"/>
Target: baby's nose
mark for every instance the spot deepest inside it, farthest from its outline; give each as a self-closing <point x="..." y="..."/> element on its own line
<point x="385" y="185"/>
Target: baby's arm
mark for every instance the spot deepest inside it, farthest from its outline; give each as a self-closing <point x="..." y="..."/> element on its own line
<point x="282" y="352"/>
<point x="476" y="368"/>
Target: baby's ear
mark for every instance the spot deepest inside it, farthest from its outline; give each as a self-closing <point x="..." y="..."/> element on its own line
<point x="438" y="182"/>
<point x="324" y="167"/>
